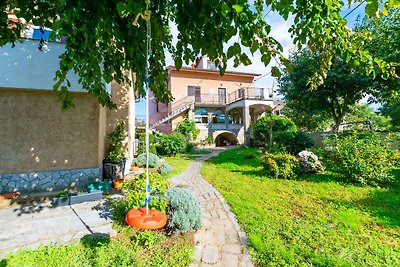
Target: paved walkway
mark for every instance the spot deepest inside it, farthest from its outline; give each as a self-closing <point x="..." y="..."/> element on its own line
<point x="31" y="225"/>
<point x="220" y="242"/>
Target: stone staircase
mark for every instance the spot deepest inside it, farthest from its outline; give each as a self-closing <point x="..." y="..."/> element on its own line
<point x="177" y="108"/>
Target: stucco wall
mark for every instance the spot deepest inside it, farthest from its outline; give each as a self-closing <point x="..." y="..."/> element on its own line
<point x="123" y="96"/>
<point x="209" y="83"/>
<point x="37" y="136"/>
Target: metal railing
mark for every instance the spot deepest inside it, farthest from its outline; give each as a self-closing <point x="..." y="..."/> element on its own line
<point x="216" y="99"/>
<point x="253" y="93"/>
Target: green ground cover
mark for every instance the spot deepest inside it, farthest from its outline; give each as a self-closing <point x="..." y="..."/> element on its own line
<point x="123" y="250"/>
<point x="314" y="220"/>
<point x="179" y="163"/>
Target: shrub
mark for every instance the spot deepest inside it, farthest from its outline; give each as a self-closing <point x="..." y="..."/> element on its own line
<point x="171" y="144"/>
<point x="301" y="141"/>
<point x="165" y="168"/>
<point x="190" y="147"/>
<point x="154" y="160"/>
<point x="184" y="212"/>
<point x="188" y="128"/>
<point x="136" y="191"/>
<point x="281" y="165"/>
<point x="364" y="159"/>
<point x="115" y="149"/>
<point x="283" y="130"/>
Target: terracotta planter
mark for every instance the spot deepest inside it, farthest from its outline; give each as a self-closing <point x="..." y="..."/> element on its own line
<point x="9" y="195"/>
<point x="118" y="182"/>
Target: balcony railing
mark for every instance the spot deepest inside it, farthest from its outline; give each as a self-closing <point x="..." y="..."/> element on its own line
<point x="253" y="93"/>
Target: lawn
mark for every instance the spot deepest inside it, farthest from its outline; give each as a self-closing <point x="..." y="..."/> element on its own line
<point x="311" y="221"/>
<point x="179" y="163"/>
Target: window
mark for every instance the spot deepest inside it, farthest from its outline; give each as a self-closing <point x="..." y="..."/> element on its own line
<point x="218" y="116"/>
<point x="201" y="115"/>
<point x="211" y="66"/>
<point x="196" y="92"/>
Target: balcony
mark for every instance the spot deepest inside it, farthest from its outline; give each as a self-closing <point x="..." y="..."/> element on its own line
<point x="251" y="93"/>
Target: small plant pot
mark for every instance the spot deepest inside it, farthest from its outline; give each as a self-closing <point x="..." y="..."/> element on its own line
<point x="9" y="195"/>
<point x="118" y="182"/>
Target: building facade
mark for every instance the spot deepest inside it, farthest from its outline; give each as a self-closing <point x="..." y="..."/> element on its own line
<point x="45" y="149"/>
<point x="223" y="107"/>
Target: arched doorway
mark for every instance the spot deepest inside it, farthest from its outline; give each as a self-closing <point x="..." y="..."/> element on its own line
<point x="226" y="139"/>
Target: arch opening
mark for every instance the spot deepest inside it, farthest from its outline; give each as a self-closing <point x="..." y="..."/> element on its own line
<point x="226" y="139"/>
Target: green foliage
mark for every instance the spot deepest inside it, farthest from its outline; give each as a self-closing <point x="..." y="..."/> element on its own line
<point x="146" y="239"/>
<point x="283" y="131"/>
<point x="136" y="191"/>
<point x="299" y="142"/>
<point x="188" y="128"/>
<point x="209" y="140"/>
<point x="342" y="88"/>
<point x="184" y="212"/>
<point x="392" y="110"/>
<point x="284" y="166"/>
<point x="190" y="147"/>
<point x="115" y="149"/>
<point x="171" y="144"/>
<point x="165" y="169"/>
<point x="363" y="159"/>
<point x="104" y="252"/>
<point x="364" y="113"/>
<point x="154" y="160"/>
<point x="115" y="44"/>
<point x="141" y="136"/>
<point x="315" y="220"/>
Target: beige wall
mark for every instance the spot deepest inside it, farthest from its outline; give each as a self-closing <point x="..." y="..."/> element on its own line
<point x="36" y="135"/>
<point x="209" y="82"/>
<point x="123" y="97"/>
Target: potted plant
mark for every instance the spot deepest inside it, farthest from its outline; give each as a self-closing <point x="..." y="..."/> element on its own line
<point x="114" y="163"/>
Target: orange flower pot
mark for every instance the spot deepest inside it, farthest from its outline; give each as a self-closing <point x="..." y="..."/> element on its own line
<point x="118" y="182"/>
<point x="9" y="195"/>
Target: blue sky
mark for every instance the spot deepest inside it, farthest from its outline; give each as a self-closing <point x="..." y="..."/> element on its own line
<point x="279" y="30"/>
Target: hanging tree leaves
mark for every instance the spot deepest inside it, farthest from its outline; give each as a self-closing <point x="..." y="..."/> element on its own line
<point x="102" y="40"/>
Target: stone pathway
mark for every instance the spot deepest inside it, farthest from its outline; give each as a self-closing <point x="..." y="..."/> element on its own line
<point x="31" y="225"/>
<point x="220" y="242"/>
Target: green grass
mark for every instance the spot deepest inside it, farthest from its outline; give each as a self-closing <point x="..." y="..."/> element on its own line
<point x="313" y="221"/>
<point x="119" y="251"/>
<point x="179" y="163"/>
<point x="198" y="152"/>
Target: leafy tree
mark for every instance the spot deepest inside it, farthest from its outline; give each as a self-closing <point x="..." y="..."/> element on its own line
<point x="188" y="128"/>
<point x="102" y="40"/>
<point x="392" y="110"/>
<point x="279" y="128"/>
<point x="171" y="144"/>
<point x="343" y="87"/>
<point x="384" y="41"/>
<point x="364" y="113"/>
<point x="307" y="121"/>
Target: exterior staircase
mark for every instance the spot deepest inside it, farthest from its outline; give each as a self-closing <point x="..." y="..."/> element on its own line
<point x="177" y="108"/>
